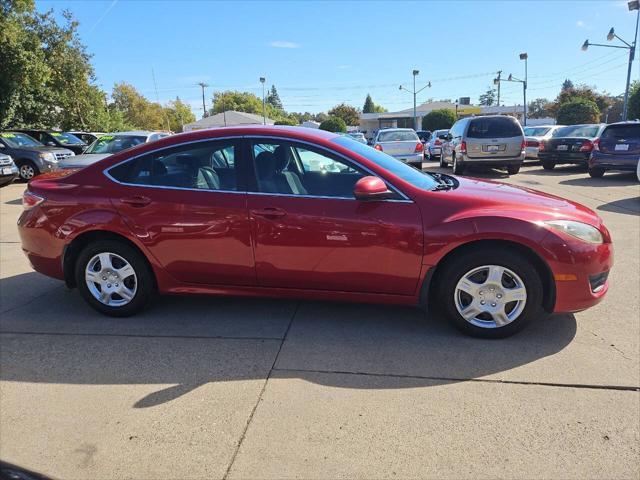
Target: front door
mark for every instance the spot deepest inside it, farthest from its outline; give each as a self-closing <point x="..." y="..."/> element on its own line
<point x="311" y="233"/>
<point x="188" y="206"/>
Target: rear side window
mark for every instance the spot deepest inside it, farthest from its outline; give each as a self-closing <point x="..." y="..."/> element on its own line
<point x="493" y="127"/>
<point x="398" y="136"/>
<point x="621" y="132"/>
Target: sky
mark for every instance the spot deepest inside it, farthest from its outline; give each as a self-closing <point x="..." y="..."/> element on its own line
<point x="319" y="54"/>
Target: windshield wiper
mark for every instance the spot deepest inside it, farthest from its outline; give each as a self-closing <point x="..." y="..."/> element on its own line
<point x="444" y="182"/>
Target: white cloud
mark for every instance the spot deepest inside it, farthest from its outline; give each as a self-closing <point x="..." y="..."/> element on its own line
<point x="283" y="44"/>
<point x="580" y="23"/>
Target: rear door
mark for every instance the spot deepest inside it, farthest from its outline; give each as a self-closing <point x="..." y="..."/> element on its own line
<point x="621" y="139"/>
<point x="493" y="137"/>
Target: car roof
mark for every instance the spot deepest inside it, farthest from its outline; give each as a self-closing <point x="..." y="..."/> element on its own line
<point x="139" y="133"/>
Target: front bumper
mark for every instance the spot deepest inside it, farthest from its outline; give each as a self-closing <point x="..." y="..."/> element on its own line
<point x="580" y="271"/>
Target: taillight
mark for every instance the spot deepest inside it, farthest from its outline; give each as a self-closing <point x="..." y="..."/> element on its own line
<point x="437" y="142"/>
<point x="586" y="146"/>
<point x="377" y="146"/>
<point x="531" y="143"/>
<point x="523" y="145"/>
<point x="463" y="147"/>
<point x="596" y="145"/>
<point x="541" y="147"/>
<point x="419" y="148"/>
<point x="30" y="200"/>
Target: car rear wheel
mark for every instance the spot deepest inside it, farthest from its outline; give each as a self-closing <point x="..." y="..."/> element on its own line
<point x="27" y="170"/>
<point x="513" y="169"/>
<point x="548" y="165"/>
<point x="596" y="172"/>
<point x="458" y="167"/>
<point x="114" y="278"/>
<point x="491" y="293"/>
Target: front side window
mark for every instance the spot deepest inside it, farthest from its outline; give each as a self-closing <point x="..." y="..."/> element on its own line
<point x="288" y="168"/>
<point x="192" y="167"/>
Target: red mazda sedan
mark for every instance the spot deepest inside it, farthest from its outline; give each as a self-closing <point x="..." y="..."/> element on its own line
<point x="294" y="212"/>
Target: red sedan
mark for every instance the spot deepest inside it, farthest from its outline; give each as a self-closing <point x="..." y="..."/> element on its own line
<point x="291" y="212"/>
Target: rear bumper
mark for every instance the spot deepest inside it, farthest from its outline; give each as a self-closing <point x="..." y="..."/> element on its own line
<point x="564" y="158"/>
<point x="493" y="161"/>
<point x="413" y="158"/>
<point x="41" y="246"/>
<point x="627" y="163"/>
<point x="531" y="153"/>
<point x="580" y="272"/>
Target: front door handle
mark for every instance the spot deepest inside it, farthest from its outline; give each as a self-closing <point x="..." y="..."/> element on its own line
<point x="136" y="201"/>
<point x="272" y="212"/>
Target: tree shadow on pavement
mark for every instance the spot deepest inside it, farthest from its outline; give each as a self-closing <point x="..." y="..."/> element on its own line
<point x="185" y="342"/>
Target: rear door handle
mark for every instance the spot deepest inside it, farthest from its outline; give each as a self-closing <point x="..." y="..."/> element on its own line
<point x="136" y="201"/>
<point x="272" y="212"/>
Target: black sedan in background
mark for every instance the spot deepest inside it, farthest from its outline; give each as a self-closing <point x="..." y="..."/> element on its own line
<point x="572" y="144"/>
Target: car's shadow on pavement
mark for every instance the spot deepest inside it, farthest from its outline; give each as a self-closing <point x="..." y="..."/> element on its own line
<point x="627" y="206"/>
<point x="617" y="179"/>
<point x="184" y="342"/>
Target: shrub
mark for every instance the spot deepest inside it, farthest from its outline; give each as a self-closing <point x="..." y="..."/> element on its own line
<point x="439" y="119"/>
<point x="334" y="124"/>
<point x="287" y="121"/>
<point x="578" y="110"/>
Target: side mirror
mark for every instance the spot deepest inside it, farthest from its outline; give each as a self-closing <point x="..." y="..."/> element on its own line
<point x="448" y="137"/>
<point x="50" y="144"/>
<point x="371" y="188"/>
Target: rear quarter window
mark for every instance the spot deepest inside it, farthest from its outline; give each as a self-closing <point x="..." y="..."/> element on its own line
<point x="621" y="132"/>
<point x="494" y="127"/>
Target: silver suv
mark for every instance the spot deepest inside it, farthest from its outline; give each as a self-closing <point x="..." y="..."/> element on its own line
<point x="491" y="141"/>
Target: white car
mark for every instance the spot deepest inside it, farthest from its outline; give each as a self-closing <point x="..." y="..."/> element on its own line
<point x="401" y="143"/>
<point x="107" y="145"/>
<point x="534" y="135"/>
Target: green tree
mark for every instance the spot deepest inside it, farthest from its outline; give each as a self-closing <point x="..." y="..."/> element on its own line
<point x="539" y="108"/>
<point x="578" y="110"/>
<point x="350" y="115"/>
<point x="633" y="105"/>
<point x="566" y="85"/>
<point x="273" y="98"/>
<point x="334" y="124"/>
<point x="379" y="109"/>
<point x="137" y="110"/>
<point x="244" y="102"/>
<point x="488" y="98"/>
<point x="439" y="119"/>
<point x="368" y="105"/>
<point x="178" y="114"/>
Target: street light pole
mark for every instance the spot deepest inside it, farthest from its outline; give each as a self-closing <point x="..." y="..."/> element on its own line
<point x="632" y="5"/>
<point x="204" y="105"/>
<point x="415" y="93"/>
<point x="264" y="107"/>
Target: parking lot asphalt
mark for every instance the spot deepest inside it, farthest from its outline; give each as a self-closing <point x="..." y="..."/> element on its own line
<point x="254" y="388"/>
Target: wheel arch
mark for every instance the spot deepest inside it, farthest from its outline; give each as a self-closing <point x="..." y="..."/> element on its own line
<point x="73" y="249"/>
<point x="546" y="276"/>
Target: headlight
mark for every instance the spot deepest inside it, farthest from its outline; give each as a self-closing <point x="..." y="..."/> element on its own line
<point x="583" y="231"/>
<point x="48" y="157"/>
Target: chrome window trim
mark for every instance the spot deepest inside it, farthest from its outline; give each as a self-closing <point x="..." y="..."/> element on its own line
<point x="405" y="199"/>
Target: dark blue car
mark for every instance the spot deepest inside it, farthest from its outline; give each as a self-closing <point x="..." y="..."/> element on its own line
<point x="617" y="149"/>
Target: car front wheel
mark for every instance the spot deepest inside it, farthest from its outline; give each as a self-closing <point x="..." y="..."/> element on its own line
<point x="114" y="278"/>
<point x="27" y="170"/>
<point x="548" y="165"/>
<point x="491" y="293"/>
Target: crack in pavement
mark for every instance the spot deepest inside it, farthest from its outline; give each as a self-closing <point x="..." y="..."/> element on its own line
<point x="623" y="388"/>
<point x="260" y="395"/>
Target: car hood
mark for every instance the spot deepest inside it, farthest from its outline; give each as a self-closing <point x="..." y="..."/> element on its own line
<point x="83" y="160"/>
<point x="502" y="199"/>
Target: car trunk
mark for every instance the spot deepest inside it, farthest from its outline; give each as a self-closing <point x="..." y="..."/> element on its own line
<point x="568" y="146"/>
<point x="493" y="137"/>
<point x="399" y="148"/>
<point x="498" y="147"/>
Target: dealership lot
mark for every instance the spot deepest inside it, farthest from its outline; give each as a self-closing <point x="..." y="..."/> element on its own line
<point x="248" y="388"/>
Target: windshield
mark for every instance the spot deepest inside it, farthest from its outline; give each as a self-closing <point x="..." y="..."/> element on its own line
<point x="409" y="174"/>
<point x="18" y="140"/>
<point x="398" y="136"/>
<point x="66" y="138"/>
<point x="115" y="143"/>
<point x="536" y="131"/>
<point x="577" y="131"/>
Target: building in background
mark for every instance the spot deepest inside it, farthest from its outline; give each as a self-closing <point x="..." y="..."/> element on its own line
<point x="230" y="118"/>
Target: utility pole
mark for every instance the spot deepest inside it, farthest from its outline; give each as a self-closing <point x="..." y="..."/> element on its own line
<point x="264" y="106"/>
<point x="204" y="105"/>
<point x="415" y="93"/>
<point x="496" y="81"/>
<point x="525" y="57"/>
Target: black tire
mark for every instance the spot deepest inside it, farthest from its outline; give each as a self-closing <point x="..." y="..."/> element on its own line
<point x="458" y="167"/>
<point x="456" y="268"/>
<point x="548" y="165"/>
<point x="443" y="163"/>
<point x="146" y="285"/>
<point x="596" y="172"/>
<point x="513" y="169"/>
<point x="27" y="169"/>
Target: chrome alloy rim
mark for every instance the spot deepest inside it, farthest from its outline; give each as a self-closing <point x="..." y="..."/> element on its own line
<point x="27" y="172"/>
<point x="111" y="279"/>
<point x="490" y="296"/>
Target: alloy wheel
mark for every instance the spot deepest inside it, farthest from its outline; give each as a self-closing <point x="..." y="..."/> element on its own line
<point x="490" y="296"/>
<point x="111" y="279"/>
<point x="27" y="172"/>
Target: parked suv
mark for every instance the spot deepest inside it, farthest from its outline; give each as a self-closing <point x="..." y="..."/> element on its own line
<point x="491" y="141"/>
<point x="52" y="138"/>
<point x="8" y="170"/>
<point x="618" y="148"/>
<point x="31" y="157"/>
<point x="572" y="144"/>
<point x="401" y="143"/>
